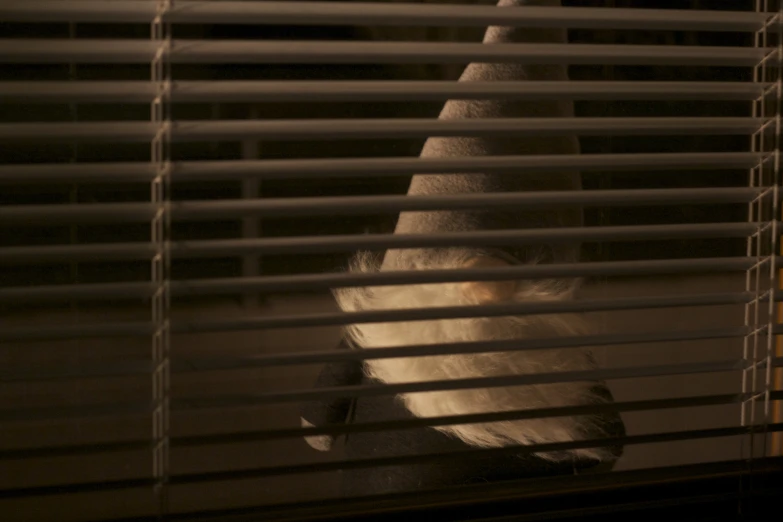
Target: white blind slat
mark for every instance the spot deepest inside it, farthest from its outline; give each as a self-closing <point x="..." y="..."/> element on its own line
<point x="348" y="205"/>
<point x="352" y="243"/>
<point x="191" y="365"/>
<point x="274" y="471"/>
<point x="343" y="129"/>
<point x="377" y="167"/>
<point x="309" y="282"/>
<point x="364" y="427"/>
<point x="457" y="312"/>
<point x="47" y="51"/>
<point x="278" y="397"/>
<point x="367" y="13"/>
<point x="370" y="91"/>
<point x="45" y="332"/>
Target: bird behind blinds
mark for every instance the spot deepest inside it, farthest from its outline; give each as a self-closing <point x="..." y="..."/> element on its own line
<point x="448" y="367"/>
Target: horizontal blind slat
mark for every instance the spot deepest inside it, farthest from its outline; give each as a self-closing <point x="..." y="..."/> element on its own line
<point x="457" y="312"/>
<point x="509" y="450"/>
<point x="365" y="427"/>
<point x="349" y="279"/>
<point x="461" y="348"/>
<point x="375" y="390"/>
<point x="188" y="365"/>
<point x="645" y="405"/>
<point x="361" y="129"/>
<point x="351" y="205"/>
<point x="354" y="242"/>
<point x="330" y="52"/>
<point x="309" y="282"/>
<point x="180" y="326"/>
<point x="243" y="474"/>
<point x="91" y="92"/>
<point x="306" y="282"/>
<point x="365" y="13"/>
<point x="375" y="167"/>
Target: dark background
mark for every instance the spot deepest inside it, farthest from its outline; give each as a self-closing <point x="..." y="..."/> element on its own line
<point x="42" y="412"/>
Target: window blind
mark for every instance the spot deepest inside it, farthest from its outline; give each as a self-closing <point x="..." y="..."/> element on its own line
<point x="184" y="181"/>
